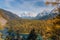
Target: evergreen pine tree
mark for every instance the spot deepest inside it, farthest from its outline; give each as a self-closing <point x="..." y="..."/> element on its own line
<point x="18" y="34"/>
<point x="32" y="35"/>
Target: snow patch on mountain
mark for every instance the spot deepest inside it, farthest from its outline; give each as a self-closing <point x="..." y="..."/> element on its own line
<point x="26" y="14"/>
<point x="32" y="14"/>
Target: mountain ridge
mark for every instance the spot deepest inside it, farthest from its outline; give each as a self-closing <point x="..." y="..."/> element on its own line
<point x="8" y="15"/>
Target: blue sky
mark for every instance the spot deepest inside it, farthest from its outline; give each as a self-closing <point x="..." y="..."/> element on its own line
<point x="20" y="6"/>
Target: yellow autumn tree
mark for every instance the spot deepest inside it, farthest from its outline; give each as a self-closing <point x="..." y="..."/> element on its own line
<point x="55" y="33"/>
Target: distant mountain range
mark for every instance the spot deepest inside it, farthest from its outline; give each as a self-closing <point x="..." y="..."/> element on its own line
<point x="45" y="17"/>
<point x="32" y="15"/>
<point x="39" y="16"/>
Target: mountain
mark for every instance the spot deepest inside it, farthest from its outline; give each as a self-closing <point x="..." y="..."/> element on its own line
<point x="46" y="16"/>
<point x="33" y="15"/>
<point x="8" y="15"/>
<point x="27" y="15"/>
<point x="39" y="16"/>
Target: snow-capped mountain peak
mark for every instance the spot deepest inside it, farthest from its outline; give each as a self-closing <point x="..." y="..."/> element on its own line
<point x="28" y="14"/>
